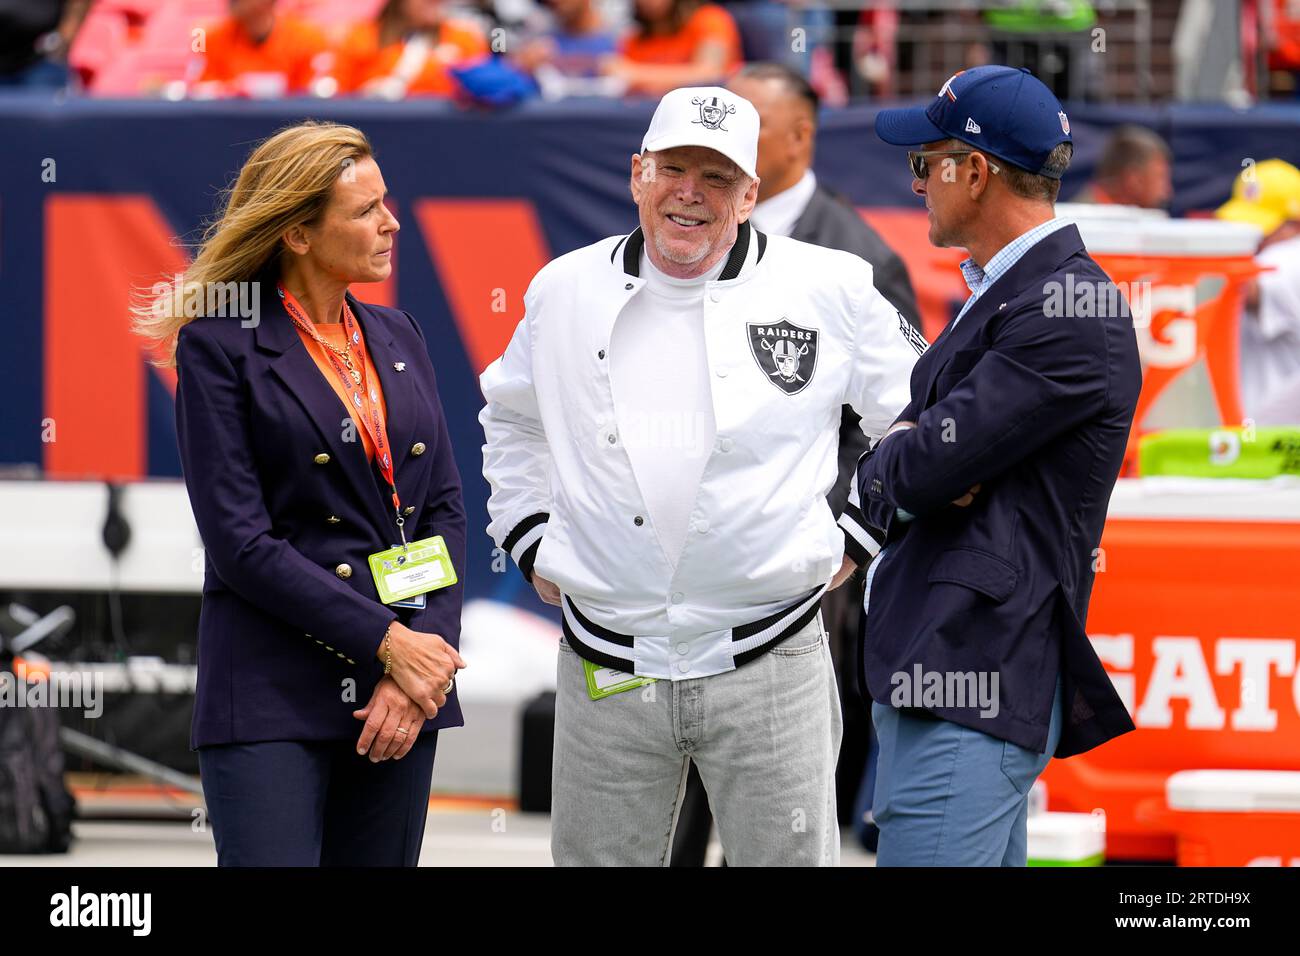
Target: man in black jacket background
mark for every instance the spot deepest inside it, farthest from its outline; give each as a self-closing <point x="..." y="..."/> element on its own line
<point x="791" y="200"/>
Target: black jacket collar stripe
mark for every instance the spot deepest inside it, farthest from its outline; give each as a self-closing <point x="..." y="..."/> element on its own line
<point x="739" y="251"/>
<point x="617" y="246"/>
<point x="632" y="252"/>
<point x="634" y="243"/>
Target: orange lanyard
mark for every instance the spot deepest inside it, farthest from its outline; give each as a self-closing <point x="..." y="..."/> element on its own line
<point x="363" y="397"/>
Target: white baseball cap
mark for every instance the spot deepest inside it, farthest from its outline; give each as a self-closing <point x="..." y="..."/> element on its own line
<point x="706" y="116"/>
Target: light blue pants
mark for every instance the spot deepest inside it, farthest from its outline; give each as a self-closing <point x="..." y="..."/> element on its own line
<point x="947" y="795"/>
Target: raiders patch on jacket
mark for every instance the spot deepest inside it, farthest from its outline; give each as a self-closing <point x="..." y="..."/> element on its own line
<point x="785" y="352"/>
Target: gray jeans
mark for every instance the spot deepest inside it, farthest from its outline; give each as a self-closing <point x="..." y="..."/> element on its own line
<point x="765" y="738"/>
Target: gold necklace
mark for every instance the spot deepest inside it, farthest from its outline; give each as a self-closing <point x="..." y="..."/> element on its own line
<point x="344" y="353"/>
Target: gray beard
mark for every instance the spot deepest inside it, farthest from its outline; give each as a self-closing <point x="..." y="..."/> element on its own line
<point x="662" y="246"/>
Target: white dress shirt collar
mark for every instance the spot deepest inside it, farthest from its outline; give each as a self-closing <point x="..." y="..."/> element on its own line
<point x="777" y="215"/>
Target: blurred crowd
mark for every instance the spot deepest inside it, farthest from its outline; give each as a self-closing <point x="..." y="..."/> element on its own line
<point x="498" y="52"/>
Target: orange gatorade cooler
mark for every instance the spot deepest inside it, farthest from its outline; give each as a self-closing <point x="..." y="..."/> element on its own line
<point x="1183" y="280"/>
<point x="1235" y="817"/>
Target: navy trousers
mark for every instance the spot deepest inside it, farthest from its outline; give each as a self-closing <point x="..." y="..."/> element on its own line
<point x="316" y="803"/>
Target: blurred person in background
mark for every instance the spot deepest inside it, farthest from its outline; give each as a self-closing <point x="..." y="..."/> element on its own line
<point x="875" y="48"/>
<point x="1134" y="170"/>
<point x="407" y="50"/>
<point x="676" y="43"/>
<point x="791" y="200"/>
<point x="35" y="36"/>
<point x="1267" y="196"/>
<point x="294" y="511"/>
<point x="1280" y="32"/>
<point x="764" y="27"/>
<point x="1050" y="38"/>
<point x="257" y="51"/>
<point x="574" y="44"/>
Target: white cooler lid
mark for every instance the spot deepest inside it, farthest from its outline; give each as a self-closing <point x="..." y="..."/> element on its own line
<point x="1157" y="236"/>
<point x="1234" y="790"/>
<point x="1102" y="210"/>
<point x="1065" y="836"/>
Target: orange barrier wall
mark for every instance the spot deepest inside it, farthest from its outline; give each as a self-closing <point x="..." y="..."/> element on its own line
<point x="1197" y="624"/>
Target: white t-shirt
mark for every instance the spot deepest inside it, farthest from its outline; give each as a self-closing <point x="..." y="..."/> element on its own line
<point x="662" y="401"/>
<point x="1270" y="339"/>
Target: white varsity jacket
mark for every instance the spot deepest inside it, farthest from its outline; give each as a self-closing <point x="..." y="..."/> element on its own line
<point x="793" y="332"/>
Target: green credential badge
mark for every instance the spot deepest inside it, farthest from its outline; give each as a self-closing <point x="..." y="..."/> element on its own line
<point x="403" y="572"/>
<point x="605" y="682"/>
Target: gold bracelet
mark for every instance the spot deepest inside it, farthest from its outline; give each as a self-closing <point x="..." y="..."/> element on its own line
<point x="388" y="650"/>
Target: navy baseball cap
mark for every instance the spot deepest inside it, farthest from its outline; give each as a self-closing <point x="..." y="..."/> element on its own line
<point x="997" y="109"/>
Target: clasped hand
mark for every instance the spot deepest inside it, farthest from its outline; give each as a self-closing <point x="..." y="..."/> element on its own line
<point x="424" y="666"/>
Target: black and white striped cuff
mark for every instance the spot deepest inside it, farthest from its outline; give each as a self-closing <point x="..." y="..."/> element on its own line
<point x="524" y="540"/>
<point x="861" y="541"/>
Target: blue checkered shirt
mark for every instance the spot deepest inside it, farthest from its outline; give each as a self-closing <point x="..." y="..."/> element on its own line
<point x="978" y="280"/>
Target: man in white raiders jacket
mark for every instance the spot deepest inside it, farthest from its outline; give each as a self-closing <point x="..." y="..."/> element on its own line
<point x="661" y="437"/>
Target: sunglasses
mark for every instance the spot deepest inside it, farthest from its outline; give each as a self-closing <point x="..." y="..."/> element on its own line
<point x="916" y="160"/>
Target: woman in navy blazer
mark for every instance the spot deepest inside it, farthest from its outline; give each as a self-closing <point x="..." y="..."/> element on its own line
<point x="296" y="649"/>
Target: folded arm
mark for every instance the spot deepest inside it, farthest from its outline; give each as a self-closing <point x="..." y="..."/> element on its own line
<point x="1040" y="378"/>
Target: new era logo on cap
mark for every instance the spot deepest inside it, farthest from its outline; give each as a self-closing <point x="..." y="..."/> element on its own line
<point x="972" y="126"/>
<point x="706" y="116"/>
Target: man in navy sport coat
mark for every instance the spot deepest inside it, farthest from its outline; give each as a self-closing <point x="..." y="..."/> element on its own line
<point x="991" y="489"/>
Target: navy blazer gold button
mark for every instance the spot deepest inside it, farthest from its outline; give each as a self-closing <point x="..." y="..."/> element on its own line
<point x="417" y="448"/>
<point x="288" y="509"/>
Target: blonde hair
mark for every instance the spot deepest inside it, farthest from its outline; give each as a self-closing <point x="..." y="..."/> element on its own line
<point x="286" y="181"/>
